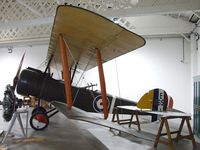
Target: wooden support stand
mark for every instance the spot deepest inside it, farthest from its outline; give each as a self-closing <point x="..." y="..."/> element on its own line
<point x="165" y="116"/>
<point x="164" y="122"/>
<point x="126" y="121"/>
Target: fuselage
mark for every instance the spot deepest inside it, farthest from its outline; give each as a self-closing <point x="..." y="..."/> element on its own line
<point x="35" y="83"/>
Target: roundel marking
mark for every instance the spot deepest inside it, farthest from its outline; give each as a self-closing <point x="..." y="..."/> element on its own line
<point x="98" y="105"/>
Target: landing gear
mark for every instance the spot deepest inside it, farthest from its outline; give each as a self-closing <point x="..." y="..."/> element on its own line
<point x="39" y="121"/>
<point x="40" y="118"/>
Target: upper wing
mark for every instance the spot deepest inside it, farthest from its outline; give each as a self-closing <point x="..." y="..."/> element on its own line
<point x="84" y="31"/>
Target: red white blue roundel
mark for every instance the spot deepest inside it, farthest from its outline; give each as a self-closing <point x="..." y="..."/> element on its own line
<point x="98" y="105"/>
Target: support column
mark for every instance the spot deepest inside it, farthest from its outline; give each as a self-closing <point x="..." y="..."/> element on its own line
<point x="194" y="65"/>
<point x="66" y="72"/>
<point x="194" y="59"/>
<point x="102" y="83"/>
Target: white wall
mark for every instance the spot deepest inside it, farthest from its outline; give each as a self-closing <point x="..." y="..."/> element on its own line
<point x="159" y="64"/>
<point x="9" y="62"/>
<point x="156" y="65"/>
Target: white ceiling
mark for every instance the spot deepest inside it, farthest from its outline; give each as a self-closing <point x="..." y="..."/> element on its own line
<point x="30" y="21"/>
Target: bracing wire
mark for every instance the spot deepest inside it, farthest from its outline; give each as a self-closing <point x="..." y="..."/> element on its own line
<point x="43" y="63"/>
<point x="118" y="84"/>
<point x="70" y="52"/>
<point x="82" y="74"/>
<point x="117" y="75"/>
<point x="91" y="56"/>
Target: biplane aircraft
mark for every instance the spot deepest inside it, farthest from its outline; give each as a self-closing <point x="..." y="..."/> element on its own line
<point x="80" y="39"/>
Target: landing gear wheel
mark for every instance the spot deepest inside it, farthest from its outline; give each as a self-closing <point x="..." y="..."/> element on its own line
<point x="39" y="109"/>
<point x="39" y="121"/>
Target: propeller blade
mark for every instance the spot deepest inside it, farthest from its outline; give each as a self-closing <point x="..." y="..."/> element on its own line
<point x="18" y="72"/>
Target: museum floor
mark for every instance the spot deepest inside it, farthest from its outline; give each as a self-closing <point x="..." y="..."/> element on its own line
<point x="63" y="133"/>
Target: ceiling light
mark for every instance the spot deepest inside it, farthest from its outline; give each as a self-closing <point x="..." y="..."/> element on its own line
<point x="115" y="20"/>
<point x="194" y="18"/>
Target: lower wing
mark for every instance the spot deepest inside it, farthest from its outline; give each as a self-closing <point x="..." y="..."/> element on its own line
<point x="78" y="114"/>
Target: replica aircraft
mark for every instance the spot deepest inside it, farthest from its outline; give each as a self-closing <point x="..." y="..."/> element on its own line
<point x="80" y="39"/>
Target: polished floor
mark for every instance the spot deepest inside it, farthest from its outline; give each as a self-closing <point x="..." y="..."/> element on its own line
<point x="63" y="134"/>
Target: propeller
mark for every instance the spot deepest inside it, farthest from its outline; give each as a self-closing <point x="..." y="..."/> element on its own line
<point x="18" y="72"/>
<point x="11" y="102"/>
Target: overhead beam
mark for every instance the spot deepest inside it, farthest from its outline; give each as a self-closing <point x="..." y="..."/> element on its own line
<point x="140" y="10"/>
<point x="148" y="31"/>
<point x="24" y="42"/>
<point x="26" y="23"/>
<point x="160" y="25"/>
